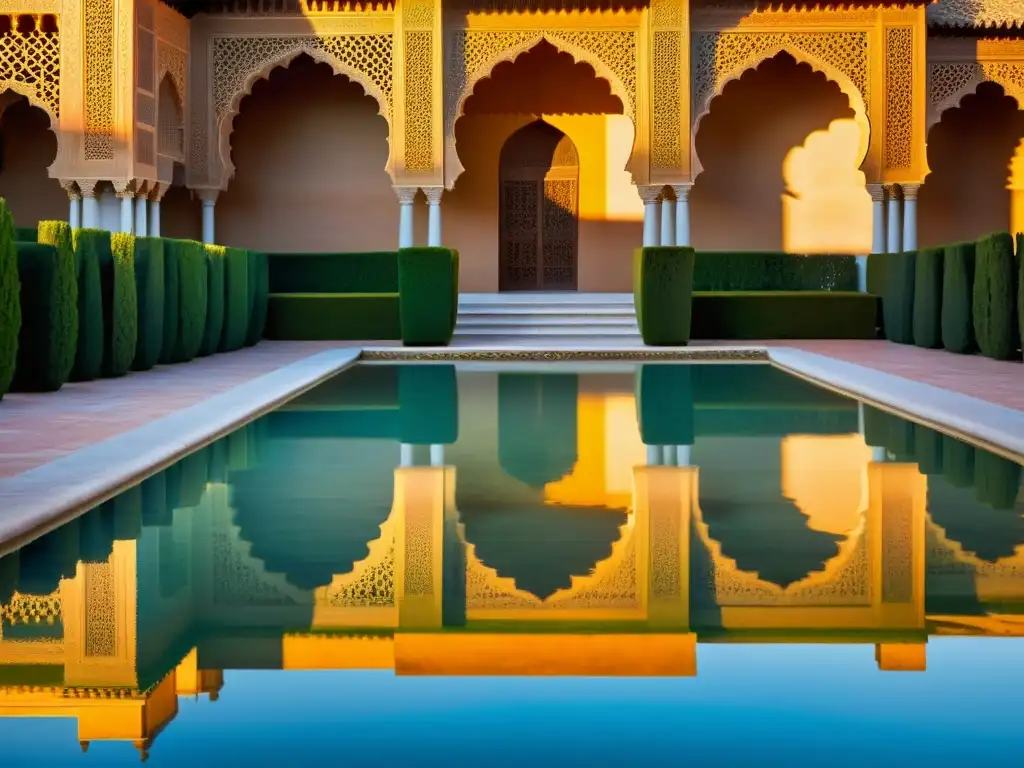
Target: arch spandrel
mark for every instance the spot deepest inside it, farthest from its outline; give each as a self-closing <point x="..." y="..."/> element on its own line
<point x="240" y="62"/>
<point x="949" y="83"/>
<point x="721" y="57"/>
<point x="473" y="55"/>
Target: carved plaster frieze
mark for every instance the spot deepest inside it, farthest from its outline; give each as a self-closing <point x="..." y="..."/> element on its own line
<point x="948" y="83"/>
<point x="976" y="13"/>
<point x="30" y="66"/>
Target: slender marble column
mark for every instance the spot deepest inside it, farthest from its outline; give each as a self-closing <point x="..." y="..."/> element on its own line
<point x="142" y="213"/>
<point x="433" y="215"/>
<point x="209" y="198"/>
<point x="668" y="221"/>
<point x="90" y="206"/>
<point x="650" y="194"/>
<point x="894" y="229"/>
<point x="154" y="209"/>
<point x="682" y="212"/>
<point x="74" y="203"/>
<point x="406" y="222"/>
<point x="126" y="194"/>
<point x="910" y="216"/>
<point x="405" y="453"/>
<point x="877" y="192"/>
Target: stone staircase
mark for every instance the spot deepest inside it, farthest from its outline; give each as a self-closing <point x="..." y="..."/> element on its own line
<point x="488" y="316"/>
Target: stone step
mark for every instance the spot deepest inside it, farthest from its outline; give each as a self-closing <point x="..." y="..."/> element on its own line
<point x="567" y="331"/>
<point x="548" y="299"/>
<point x="545" y="318"/>
<point x="571" y="310"/>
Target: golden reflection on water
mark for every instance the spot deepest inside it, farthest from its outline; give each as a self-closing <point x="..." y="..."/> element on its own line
<point x="761" y="538"/>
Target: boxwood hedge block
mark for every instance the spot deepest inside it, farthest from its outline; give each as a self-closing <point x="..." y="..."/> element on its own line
<point x="120" y="305"/>
<point x="996" y="480"/>
<point x="663" y="294"/>
<point x="898" y="302"/>
<point x="49" y="317"/>
<point x="957" y="298"/>
<point x="665" y="403"/>
<point x="877" y="277"/>
<point x="10" y="299"/>
<point x="928" y="298"/>
<point x="88" y="244"/>
<point x="192" y="298"/>
<point x="236" y="300"/>
<point x="773" y="271"/>
<point x="259" y="287"/>
<point x="149" y="290"/>
<point x="427" y="295"/>
<point x="172" y="301"/>
<point x="334" y="272"/>
<point x="26" y="234"/>
<point x="328" y="316"/>
<point x="784" y="315"/>
<point x="957" y="462"/>
<point x="995" y="297"/>
<point x="428" y="404"/>
<point x="216" y="256"/>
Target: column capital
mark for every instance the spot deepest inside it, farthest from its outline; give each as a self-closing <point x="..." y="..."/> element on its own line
<point x="877" y="192"/>
<point x="649" y="193"/>
<point x="86" y="187"/>
<point x="157" y="191"/>
<point x="910" y="191"/>
<point x="142" y="189"/>
<point x="124" y="188"/>
<point x="433" y="194"/>
<point x="893" y="190"/>
<point x="682" y="191"/>
<point x="406" y="195"/>
<point x="208" y="195"/>
<point x="71" y="187"/>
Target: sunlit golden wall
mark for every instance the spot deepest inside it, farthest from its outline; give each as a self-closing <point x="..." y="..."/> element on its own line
<point x="29" y="148"/>
<point x="779" y="150"/>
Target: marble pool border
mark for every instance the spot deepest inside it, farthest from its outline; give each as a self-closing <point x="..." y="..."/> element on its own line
<point x="41" y="499"/>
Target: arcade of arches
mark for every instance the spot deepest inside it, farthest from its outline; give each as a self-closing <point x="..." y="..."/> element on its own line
<point x="326" y="127"/>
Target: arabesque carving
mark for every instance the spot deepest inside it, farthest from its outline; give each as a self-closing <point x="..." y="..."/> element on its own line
<point x="724" y="56"/>
<point x="419" y="101"/>
<point x="948" y="83"/>
<point x="30" y="66"/>
<point x="99" y="80"/>
<point x="32" y="609"/>
<point x="100" y="610"/>
<point x="899" y="86"/>
<point x="473" y="55"/>
<point x="667" y="145"/>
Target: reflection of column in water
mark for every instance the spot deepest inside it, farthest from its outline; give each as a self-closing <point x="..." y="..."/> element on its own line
<point x="665" y="413"/>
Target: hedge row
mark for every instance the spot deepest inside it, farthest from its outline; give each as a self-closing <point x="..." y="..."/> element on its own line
<point x="773" y="271"/>
<point x="78" y="305"/>
<point x="662" y="294"/>
<point x="962" y="297"/>
<point x="334" y="273"/>
<point x="428" y="295"/>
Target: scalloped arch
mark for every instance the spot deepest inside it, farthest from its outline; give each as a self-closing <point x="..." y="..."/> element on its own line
<point x="28" y="90"/>
<point x="225" y="127"/>
<point x="846" y="85"/>
<point x="453" y="165"/>
<point x="1014" y="90"/>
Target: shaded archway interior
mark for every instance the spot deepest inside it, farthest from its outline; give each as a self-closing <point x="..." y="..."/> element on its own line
<point x="27" y="149"/>
<point x="780" y="151"/>
<point x="971" y="153"/>
<point x="310" y="150"/>
<point x="545" y="84"/>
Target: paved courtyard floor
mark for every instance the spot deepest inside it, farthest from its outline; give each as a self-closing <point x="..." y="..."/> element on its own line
<point x="36" y="429"/>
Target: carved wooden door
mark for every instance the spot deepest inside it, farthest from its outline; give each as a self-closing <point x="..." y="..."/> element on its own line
<point x="539" y="225"/>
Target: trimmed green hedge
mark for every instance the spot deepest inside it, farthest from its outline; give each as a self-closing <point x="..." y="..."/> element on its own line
<point x="49" y="317"/>
<point x="172" y="302"/>
<point x="957" y="298"/>
<point x="120" y="305"/>
<point x="89" y="245"/>
<point x="332" y="316"/>
<point x="898" y="302"/>
<point x="665" y="404"/>
<point x="927" y="323"/>
<point x="428" y="404"/>
<point x="663" y="294"/>
<point x="10" y="300"/>
<point x="236" y="300"/>
<point x="428" y="280"/>
<point x="995" y="297"/>
<point x="334" y="272"/>
<point x="192" y="297"/>
<point x="259" y="288"/>
<point x="149" y="288"/>
<point x="784" y="315"/>
<point x="26" y="234"/>
<point x="216" y="256"/>
<point x="773" y="271"/>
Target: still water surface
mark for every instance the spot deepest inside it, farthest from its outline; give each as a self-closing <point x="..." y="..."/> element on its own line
<point x="595" y="566"/>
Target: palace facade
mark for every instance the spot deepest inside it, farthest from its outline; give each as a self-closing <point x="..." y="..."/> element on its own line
<point x="543" y="139"/>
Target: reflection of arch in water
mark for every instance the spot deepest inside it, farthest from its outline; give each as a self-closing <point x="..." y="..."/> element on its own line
<point x="537" y="426"/>
<point x="977" y="531"/>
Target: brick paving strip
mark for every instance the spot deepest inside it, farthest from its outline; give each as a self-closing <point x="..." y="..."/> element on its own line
<point x="36" y="429"/>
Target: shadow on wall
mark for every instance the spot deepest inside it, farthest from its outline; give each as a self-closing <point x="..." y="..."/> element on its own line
<point x="976" y="156"/>
<point x="310" y="149"/>
<point x="779" y="148"/>
<point x="27" y="149"/>
<point x="546" y="84"/>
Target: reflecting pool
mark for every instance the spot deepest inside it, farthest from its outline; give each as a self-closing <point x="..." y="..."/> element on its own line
<point x="586" y="565"/>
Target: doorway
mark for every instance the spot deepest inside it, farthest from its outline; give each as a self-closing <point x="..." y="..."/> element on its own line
<point x="538" y="210"/>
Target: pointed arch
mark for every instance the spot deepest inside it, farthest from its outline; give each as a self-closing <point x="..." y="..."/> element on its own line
<point x="284" y="58"/>
<point x="853" y="94"/>
<point x="170" y="119"/>
<point x="509" y="46"/>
